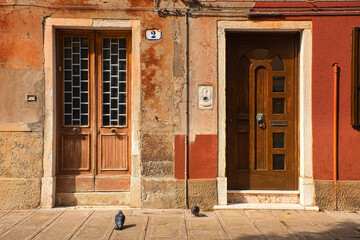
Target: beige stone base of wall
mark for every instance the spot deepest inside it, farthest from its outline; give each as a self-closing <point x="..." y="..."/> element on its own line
<point x="19" y="194"/>
<point x="156" y="193"/>
<point x="170" y="193"/>
<point x="347" y="195"/>
<point x="20" y="169"/>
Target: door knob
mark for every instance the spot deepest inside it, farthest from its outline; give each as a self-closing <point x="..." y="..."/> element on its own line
<point x="260" y="119"/>
<point x="76" y="130"/>
<point x="113" y="130"/>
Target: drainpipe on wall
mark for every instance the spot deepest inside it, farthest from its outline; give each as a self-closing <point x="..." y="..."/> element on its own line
<point x="186" y="106"/>
<point x="336" y="80"/>
<point x="159" y="12"/>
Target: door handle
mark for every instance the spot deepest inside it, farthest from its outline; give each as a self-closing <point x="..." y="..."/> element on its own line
<point x="76" y="130"/>
<point x="260" y="120"/>
<point x="113" y="130"/>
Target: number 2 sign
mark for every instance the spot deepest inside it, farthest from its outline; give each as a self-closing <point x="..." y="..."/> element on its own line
<point x="153" y="34"/>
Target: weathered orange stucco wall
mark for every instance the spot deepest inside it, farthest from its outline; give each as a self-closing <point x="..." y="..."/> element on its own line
<point x="162" y="94"/>
<point x="21" y="122"/>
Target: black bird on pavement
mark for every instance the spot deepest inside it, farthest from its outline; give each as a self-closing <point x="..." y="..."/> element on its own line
<point x="119" y="220"/>
<point x="195" y="210"/>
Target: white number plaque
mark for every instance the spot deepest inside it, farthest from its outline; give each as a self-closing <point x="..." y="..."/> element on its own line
<point x="153" y="34"/>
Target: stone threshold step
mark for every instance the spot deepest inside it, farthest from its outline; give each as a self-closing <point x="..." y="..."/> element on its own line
<point x="263" y="196"/>
<point x="93" y="207"/>
<point x="92" y="199"/>
<point x="265" y="206"/>
<point x="264" y="191"/>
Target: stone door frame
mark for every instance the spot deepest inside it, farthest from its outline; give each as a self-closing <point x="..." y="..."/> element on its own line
<point x="48" y="186"/>
<point x="306" y="181"/>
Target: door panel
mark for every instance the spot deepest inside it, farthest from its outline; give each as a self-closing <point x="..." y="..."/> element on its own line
<point x="113" y="152"/>
<point x="93" y="111"/>
<point x="76" y="152"/>
<point x="73" y="183"/>
<point x="261" y="123"/>
<point x="260" y="97"/>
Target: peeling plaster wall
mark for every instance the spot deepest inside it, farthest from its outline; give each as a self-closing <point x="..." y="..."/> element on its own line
<point x="21" y="122"/>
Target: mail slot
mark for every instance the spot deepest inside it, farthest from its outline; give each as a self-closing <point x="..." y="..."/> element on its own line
<point x="279" y="123"/>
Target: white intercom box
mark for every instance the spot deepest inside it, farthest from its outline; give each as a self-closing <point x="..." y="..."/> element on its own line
<point x="205" y="97"/>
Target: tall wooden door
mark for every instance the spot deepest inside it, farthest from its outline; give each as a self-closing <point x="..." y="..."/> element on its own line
<point x="261" y="111"/>
<point x="93" y="111"/>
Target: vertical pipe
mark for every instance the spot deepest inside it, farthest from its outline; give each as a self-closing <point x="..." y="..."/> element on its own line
<point x="336" y="80"/>
<point x="186" y="151"/>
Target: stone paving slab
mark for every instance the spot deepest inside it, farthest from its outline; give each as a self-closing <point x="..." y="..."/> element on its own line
<point x="144" y="224"/>
<point x="203" y="216"/>
<point x="297" y="223"/>
<point x="235" y="223"/>
<point x="99" y="225"/>
<point x="65" y="226"/>
<point x="157" y="212"/>
<point x="122" y="235"/>
<point x="166" y="219"/>
<point x="11" y="219"/>
<point x="349" y="218"/>
<point x="196" y="234"/>
<point x="203" y="225"/>
<point x="136" y="222"/>
<point x="3" y="213"/>
<point x="332" y="226"/>
<point x="166" y="230"/>
<point x="32" y="225"/>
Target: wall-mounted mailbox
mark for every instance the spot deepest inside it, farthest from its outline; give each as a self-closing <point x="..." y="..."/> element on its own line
<point x="205" y="97"/>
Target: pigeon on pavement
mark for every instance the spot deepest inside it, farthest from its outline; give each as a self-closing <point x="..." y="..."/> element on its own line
<point x="195" y="210"/>
<point x="119" y="220"/>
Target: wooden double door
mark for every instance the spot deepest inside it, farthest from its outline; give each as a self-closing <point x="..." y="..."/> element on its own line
<point x="261" y="111"/>
<point x="93" y="111"/>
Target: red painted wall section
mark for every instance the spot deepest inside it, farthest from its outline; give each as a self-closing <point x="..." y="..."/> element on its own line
<point x="179" y="156"/>
<point x="332" y="44"/>
<point x="314" y="5"/>
<point x="202" y="157"/>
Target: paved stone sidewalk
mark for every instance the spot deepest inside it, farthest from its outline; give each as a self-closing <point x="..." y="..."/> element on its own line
<point x="88" y="223"/>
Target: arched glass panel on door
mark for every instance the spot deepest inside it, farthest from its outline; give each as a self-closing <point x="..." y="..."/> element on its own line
<point x="277" y="64"/>
<point x="274" y="59"/>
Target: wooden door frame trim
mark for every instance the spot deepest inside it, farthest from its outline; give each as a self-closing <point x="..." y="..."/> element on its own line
<point x="48" y="190"/>
<point x="306" y="185"/>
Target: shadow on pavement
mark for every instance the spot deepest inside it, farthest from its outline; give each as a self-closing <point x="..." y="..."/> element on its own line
<point x="127" y="226"/>
<point x="344" y="230"/>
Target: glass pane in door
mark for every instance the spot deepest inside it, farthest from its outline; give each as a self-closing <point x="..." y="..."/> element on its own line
<point x="76" y="80"/>
<point x="114" y="86"/>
